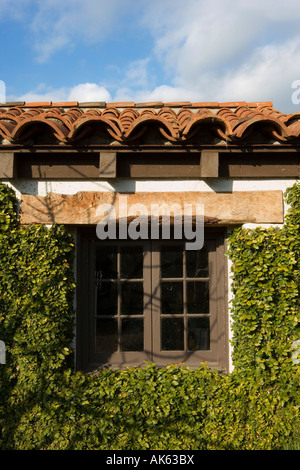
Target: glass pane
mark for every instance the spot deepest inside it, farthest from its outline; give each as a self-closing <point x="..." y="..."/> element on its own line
<point x="106" y="335"/>
<point x="197" y="263"/>
<point x="172" y="331"/>
<point x="107" y="298"/>
<point x="171" y="298"/>
<point x="106" y="262"/>
<point x="198" y="333"/>
<point x="197" y="297"/>
<point x="132" y="334"/>
<point x="131" y="262"/>
<point x="132" y="298"/>
<point x="171" y="261"/>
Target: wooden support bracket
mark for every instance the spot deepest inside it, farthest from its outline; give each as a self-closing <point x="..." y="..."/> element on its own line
<point x="108" y="165"/>
<point x="209" y="164"/>
<point x="7" y="165"/>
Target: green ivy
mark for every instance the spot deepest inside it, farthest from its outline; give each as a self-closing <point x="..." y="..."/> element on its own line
<point x="265" y="305"/>
<point x="46" y="405"/>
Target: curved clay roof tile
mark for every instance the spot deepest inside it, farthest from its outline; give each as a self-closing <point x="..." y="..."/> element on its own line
<point x="147" y="112"/>
<point x="111" y="112"/>
<point x="126" y="121"/>
<point x="92" y="112"/>
<point x="183" y="116"/>
<point x="127" y="117"/>
<point x="271" y="113"/>
<point x="165" y="127"/>
<point x="31" y="112"/>
<point x="293" y="129"/>
<point x="201" y="118"/>
<point x="273" y="128"/>
<point x="112" y="126"/>
<point x="72" y="114"/>
<point x="291" y="118"/>
<point x="231" y="119"/>
<point x="244" y="111"/>
<point x="6" y="129"/>
<point x="60" y="129"/>
<point x="10" y="112"/>
<point x="168" y="113"/>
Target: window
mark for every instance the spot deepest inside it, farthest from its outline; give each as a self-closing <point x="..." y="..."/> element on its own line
<point x="151" y="301"/>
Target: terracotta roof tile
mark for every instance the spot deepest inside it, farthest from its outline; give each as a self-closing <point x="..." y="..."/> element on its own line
<point x="121" y="104"/>
<point x="207" y="104"/>
<point x="92" y="104"/>
<point x="232" y="104"/>
<point x="124" y="121"/>
<point x="65" y="103"/>
<point x="258" y="104"/>
<point x="12" y="103"/>
<point x="152" y="104"/>
<point x="178" y="104"/>
<point x="38" y="104"/>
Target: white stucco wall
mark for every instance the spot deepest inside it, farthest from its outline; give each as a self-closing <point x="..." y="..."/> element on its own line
<point x="42" y="188"/>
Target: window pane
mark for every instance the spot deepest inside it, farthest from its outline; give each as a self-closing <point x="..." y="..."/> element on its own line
<point x="172" y="331"/>
<point x="171" y="261"/>
<point x="197" y="263"/>
<point x="132" y="298"/>
<point x="106" y="335"/>
<point x="106" y="262"/>
<point x="107" y="298"/>
<point x="197" y="297"/>
<point x="132" y="334"/>
<point x="131" y="262"/>
<point x="198" y="333"/>
<point x="171" y="298"/>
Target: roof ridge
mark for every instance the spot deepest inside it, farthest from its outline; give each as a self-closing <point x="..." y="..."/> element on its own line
<point x="131" y="104"/>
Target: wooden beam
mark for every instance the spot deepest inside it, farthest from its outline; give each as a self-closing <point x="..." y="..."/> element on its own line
<point x="259" y="165"/>
<point x="108" y="165"/>
<point x="209" y="164"/>
<point x="7" y="165"/>
<point x="233" y="208"/>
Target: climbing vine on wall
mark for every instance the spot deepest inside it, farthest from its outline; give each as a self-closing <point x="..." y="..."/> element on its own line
<point x="45" y="404"/>
<point x="265" y="305"/>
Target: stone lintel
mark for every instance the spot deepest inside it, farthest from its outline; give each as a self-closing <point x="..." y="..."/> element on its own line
<point x="83" y="208"/>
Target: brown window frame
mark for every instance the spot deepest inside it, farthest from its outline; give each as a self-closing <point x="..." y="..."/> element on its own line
<point x="216" y="357"/>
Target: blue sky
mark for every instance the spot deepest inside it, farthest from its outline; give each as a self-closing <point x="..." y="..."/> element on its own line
<point x="154" y="50"/>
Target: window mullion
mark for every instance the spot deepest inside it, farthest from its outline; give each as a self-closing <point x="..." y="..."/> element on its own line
<point x="155" y="299"/>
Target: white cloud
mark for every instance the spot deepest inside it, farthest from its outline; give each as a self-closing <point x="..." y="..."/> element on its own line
<point x="267" y="75"/>
<point x="84" y="92"/>
<point x="56" y="25"/>
<point x="166" y="93"/>
<point x="15" y="9"/>
<point x="211" y="51"/>
<point x="81" y="92"/>
<point x="137" y="73"/>
<point x="227" y="50"/>
<point x="42" y="92"/>
<point x="199" y="36"/>
<point x="88" y="92"/>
